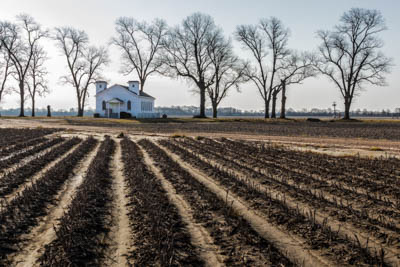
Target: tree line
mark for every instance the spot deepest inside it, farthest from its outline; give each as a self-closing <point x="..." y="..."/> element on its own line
<point x="190" y="111"/>
<point x="198" y="51"/>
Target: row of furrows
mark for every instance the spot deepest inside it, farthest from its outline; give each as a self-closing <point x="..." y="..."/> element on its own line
<point x="160" y="237"/>
<point x="19" y="176"/>
<point x="384" y="227"/>
<point x="24" y="211"/>
<point x="348" y="170"/>
<point x="80" y="234"/>
<point x="12" y="136"/>
<point x="17" y="158"/>
<point x="319" y="236"/>
<point x="20" y="147"/>
<point x="375" y="175"/>
<point x="237" y="240"/>
<point x="379" y="209"/>
<point x="387" y="166"/>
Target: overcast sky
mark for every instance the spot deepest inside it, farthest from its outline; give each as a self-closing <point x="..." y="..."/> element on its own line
<point x="304" y="18"/>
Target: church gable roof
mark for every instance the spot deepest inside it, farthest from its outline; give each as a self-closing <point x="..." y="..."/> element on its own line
<point x="145" y="94"/>
<point x="142" y="94"/>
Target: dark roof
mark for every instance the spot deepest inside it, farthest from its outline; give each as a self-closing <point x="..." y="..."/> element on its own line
<point x="145" y="94"/>
<point x="127" y="88"/>
<point x="140" y="93"/>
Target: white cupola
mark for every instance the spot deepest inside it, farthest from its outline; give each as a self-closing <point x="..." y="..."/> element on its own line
<point x="100" y="86"/>
<point x="134" y="87"/>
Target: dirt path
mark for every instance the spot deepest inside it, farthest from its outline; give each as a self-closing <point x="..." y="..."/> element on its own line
<point x="120" y="234"/>
<point x="344" y="229"/>
<point x="34" y="178"/>
<point x="200" y="238"/>
<point x="289" y="245"/>
<point x="44" y="233"/>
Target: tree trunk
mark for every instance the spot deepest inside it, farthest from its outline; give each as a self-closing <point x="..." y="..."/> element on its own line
<point x="142" y="82"/>
<point x="81" y="105"/>
<point x="22" y="99"/>
<point x="283" y="102"/>
<point x="215" y="110"/>
<point x="273" y="111"/>
<point x="266" y="114"/>
<point x="80" y="112"/>
<point x="202" y="102"/>
<point x="347" y="103"/>
<point x="33" y="107"/>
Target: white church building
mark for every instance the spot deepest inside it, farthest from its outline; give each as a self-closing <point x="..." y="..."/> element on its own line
<point x="111" y="101"/>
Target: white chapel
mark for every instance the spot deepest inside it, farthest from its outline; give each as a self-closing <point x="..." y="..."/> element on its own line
<point x="111" y="101"/>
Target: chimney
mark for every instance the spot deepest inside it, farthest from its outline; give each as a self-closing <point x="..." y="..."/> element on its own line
<point x="100" y="86"/>
<point x="134" y="87"/>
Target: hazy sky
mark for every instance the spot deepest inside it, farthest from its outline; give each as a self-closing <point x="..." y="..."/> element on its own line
<point x="304" y="18"/>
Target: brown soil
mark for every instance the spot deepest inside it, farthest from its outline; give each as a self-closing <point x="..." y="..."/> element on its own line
<point x="344" y="229"/>
<point x="40" y="173"/>
<point x="120" y="235"/>
<point x="329" y="145"/>
<point x="200" y="238"/>
<point x="290" y="245"/>
<point x="44" y="233"/>
<point x="356" y="199"/>
<point x="27" y="160"/>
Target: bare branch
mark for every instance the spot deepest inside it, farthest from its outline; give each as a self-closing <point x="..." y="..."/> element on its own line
<point x="140" y="44"/>
<point x="84" y="62"/>
<point x="186" y="53"/>
<point x="267" y="42"/>
<point x="19" y="40"/>
<point x="350" y="54"/>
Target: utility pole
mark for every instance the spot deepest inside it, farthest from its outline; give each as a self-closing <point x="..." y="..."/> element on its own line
<point x="334" y="109"/>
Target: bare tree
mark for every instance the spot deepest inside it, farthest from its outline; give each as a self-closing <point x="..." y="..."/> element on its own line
<point x="350" y="56"/>
<point x="5" y="72"/>
<point x="84" y="62"/>
<point x="229" y="71"/>
<point x="140" y="43"/>
<point x="267" y="42"/>
<point x="36" y="78"/>
<point x="187" y="56"/>
<point x="296" y="68"/>
<point x="19" y="40"/>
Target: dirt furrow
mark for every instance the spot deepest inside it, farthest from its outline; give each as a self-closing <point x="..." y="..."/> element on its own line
<point x="200" y="238"/>
<point x="344" y="229"/>
<point x="291" y="246"/>
<point x="120" y="233"/>
<point x="333" y="191"/>
<point x="28" y="159"/>
<point x="32" y="179"/>
<point x="21" y="148"/>
<point x="44" y="233"/>
<point x="359" y="177"/>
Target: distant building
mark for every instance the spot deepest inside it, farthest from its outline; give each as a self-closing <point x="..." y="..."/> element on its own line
<point x="111" y="101"/>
